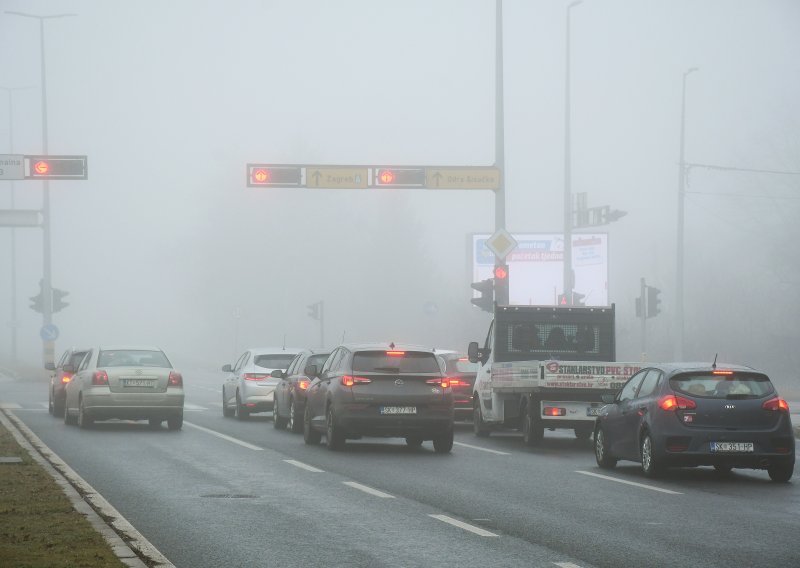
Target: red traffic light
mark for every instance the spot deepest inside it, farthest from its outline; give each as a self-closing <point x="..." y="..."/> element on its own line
<point x="55" y="167"/>
<point x="386" y="176"/>
<point x="261" y="175"/>
<point x="41" y="167"/>
<point x="501" y="272"/>
<point x="265" y="175"/>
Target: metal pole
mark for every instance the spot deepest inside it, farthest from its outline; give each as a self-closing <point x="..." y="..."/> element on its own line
<point x="643" y="314"/>
<point x="679" y="304"/>
<point x="499" y="143"/>
<point x="322" y="324"/>
<point x="568" y="273"/>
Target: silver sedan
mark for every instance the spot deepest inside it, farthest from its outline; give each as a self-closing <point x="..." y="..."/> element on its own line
<point x="127" y="382"/>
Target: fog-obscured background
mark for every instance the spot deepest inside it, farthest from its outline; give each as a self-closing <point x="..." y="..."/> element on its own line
<point x="164" y="243"/>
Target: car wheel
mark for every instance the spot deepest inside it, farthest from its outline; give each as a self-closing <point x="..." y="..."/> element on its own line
<point x="278" y="422"/>
<point x="241" y="411"/>
<point x="154" y="423"/>
<point x="293" y="423"/>
<point x="310" y="436"/>
<point x="227" y="412"/>
<point x="532" y="429"/>
<point x="58" y="409"/>
<point x="443" y="443"/>
<point x="333" y="433"/>
<point x="175" y="422"/>
<point x="479" y="427"/>
<point x="601" y="453"/>
<point x="414" y="441"/>
<point x="583" y="433"/>
<point x="781" y="473"/>
<point x="650" y="464"/>
<point x="83" y="418"/>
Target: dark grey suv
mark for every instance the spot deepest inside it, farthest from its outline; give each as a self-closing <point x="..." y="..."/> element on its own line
<point x="687" y="414"/>
<point x="380" y="390"/>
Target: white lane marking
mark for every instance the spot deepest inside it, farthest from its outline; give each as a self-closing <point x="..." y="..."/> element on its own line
<point x="216" y="390"/>
<point x="10" y="406"/>
<point x="45" y="405"/>
<point x="369" y="490"/>
<point x="467" y="527"/>
<point x="193" y="407"/>
<point x="642" y="485"/>
<point x="481" y="449"/>
<point x="223" y="436"/>
<point x="566" y="565"/>
<point x="305" y="466"/>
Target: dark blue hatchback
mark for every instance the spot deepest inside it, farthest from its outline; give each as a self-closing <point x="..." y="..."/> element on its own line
<point x="685" y="415"/>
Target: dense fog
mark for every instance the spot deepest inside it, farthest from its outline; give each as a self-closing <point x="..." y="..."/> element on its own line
<point x="165" y="244"/>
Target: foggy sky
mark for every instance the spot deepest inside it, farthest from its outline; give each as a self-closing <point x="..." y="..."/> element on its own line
<point x="170" y="100"/>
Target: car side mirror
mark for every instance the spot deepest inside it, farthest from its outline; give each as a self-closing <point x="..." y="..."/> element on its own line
<point x="277" y="374"/>
<point x="609" y="398"/>
<point x="226" y="368"/>
<point x="69" y="368"/>
<point x="473" y="352"/>
<point x="311" y="371"/>
<point x="50" y="366"/>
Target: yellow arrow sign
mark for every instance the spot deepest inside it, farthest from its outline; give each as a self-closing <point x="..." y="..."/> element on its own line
<point x="337" y="178"/>
<point x="462" y="178"/>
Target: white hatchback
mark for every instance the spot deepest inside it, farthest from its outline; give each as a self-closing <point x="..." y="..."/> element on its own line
<point x="249" y="386"/>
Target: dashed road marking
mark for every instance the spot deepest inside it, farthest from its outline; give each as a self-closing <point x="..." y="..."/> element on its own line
<point x="642" y="485"/>
<point x="566" y="565"/>
<point x="193" y="407"/>
<point x="481" y="449"/>
<point x="462" y="525"/>
<point x="224" y="437"/>
<point x="305" y="466"/>
<point x="369" y="490"/>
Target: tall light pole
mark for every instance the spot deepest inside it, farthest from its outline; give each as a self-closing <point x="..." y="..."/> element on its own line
<point x="499" y="141"/>
<point x="13" y="323"/>
<point x="47" y="287"/>
<point x="569" y="284"/>
<point x="679" y="305"/>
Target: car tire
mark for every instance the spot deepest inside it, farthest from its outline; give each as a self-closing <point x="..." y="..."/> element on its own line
<point x="781" y="473"/>
<point x="532" y="428"/>
<point x="443" y="443"/>
<point x="479" y="427"/>
<point x="278" y="422"/>
<point x="601" y="453"/>
<point x="241" y="411"/>
<point x="58" y="409"/>
<point x="175" y="422"/>
<point x="651" y="466"/>
<point x="227" y="411"/>
<point x="83" y="420"/>
<point x="293" y="423"/>
<point x="414" y="441"/>
<point x="333" y="433"/>
<point x="310" y="435"/>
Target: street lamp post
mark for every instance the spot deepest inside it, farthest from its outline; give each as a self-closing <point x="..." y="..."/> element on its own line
<point x="47" y="287"/>
<point x="679" y="305"/>
<point x="568" y="274"/>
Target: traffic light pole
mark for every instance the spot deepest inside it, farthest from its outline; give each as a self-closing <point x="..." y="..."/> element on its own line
<point x="643" y="296"/>
<point x="499" y="136"/>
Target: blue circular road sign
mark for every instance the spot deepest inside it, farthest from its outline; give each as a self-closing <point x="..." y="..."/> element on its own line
<point x="49" y="332"/>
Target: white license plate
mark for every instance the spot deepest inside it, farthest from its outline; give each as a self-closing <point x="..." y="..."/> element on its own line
<point x="594" y="411"/>
<point x="732" y="447"/>
<point x="138" y="382"/>
<point x="398" y="409"/>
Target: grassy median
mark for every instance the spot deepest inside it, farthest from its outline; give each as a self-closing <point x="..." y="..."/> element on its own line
<point x="38" y="526"/>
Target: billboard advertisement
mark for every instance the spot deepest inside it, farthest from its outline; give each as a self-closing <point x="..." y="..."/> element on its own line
<point x="536" y="273"/>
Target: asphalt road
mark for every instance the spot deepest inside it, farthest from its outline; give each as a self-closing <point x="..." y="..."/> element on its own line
<point x="227" y="492"/>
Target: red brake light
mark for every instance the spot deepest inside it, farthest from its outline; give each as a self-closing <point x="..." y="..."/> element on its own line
<point x="100" y="378"/>
<point x="721" y="372"/>
<point x="445" y="382"/>
<point x="776" y="404"/>
<point x="350" y="380"/>
<point x="672" y="402"/>
<point x="254" y="376"/>
<point x="175" y="379"/>
<point x="395" y="353"/>
<point x="303" y="384"/>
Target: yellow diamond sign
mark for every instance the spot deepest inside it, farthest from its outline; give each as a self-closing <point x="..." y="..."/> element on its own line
<point x="501" y="243"/>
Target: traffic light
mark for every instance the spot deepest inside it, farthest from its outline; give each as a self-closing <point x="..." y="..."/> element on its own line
<point x="577" y="299"/>
<point x="56" y="167"/>
<point x="315" y="311"/>
<point x="486" y="288"/>
<point x="653" y="301"/>
<point x="58" y="300"/>
<point x="501" y="284"/>
<point x="399" y="177"/>
<point x="265" y="175"/>
<point x="37" y="302"/>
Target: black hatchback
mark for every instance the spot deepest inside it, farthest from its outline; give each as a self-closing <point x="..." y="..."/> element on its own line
<point x="686" y="415"/>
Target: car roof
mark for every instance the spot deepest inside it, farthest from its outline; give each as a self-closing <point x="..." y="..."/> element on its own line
<point x="275" y="350"/>
<point x="683" y="367"/>
<point x="129" y="348"/>
<point x="387" y="347"/>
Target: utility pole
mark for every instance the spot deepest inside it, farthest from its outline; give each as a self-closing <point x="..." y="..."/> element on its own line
<point x="499" y="122"/>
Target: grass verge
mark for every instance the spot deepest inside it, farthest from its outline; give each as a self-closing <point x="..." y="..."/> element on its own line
<point x="39" y="528"/>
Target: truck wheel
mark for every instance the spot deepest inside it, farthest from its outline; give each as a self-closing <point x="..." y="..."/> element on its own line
<point x="532" y="429"/>
<point x="478" y="425"/>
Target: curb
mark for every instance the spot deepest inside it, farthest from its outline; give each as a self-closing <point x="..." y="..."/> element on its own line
<point x="126" y="542"/>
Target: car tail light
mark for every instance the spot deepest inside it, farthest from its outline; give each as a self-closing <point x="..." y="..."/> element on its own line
<point x="303" y="384"/>
<point x="175" y="379"/>
<point x="445" y="382"/>
<point x="100" y="378"/>
<point x="776" y="404"/>
<point x="66" y="377"/>
<point x="254" y="376"/>
<point x="554" y="411"/>
<point x="721" y="372"/>
<point x="458" y="383"/>
<point x="672" y="402"/>
<point x="350" y="380"/>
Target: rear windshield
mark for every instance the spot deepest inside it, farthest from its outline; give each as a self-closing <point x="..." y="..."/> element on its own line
<point x="76" y="358"/>
<point x="408" y="362"/>
<point x="274" y="361"/>
<point x="735" y="385"/>
<point x="132" y="358"/>
<point x="462" y="365"/>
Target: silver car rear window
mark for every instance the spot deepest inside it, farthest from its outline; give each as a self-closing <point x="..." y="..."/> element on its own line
<point x="728" y="385"/>
<point x="132" y="358"/>
<point x="395" y="362"/>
